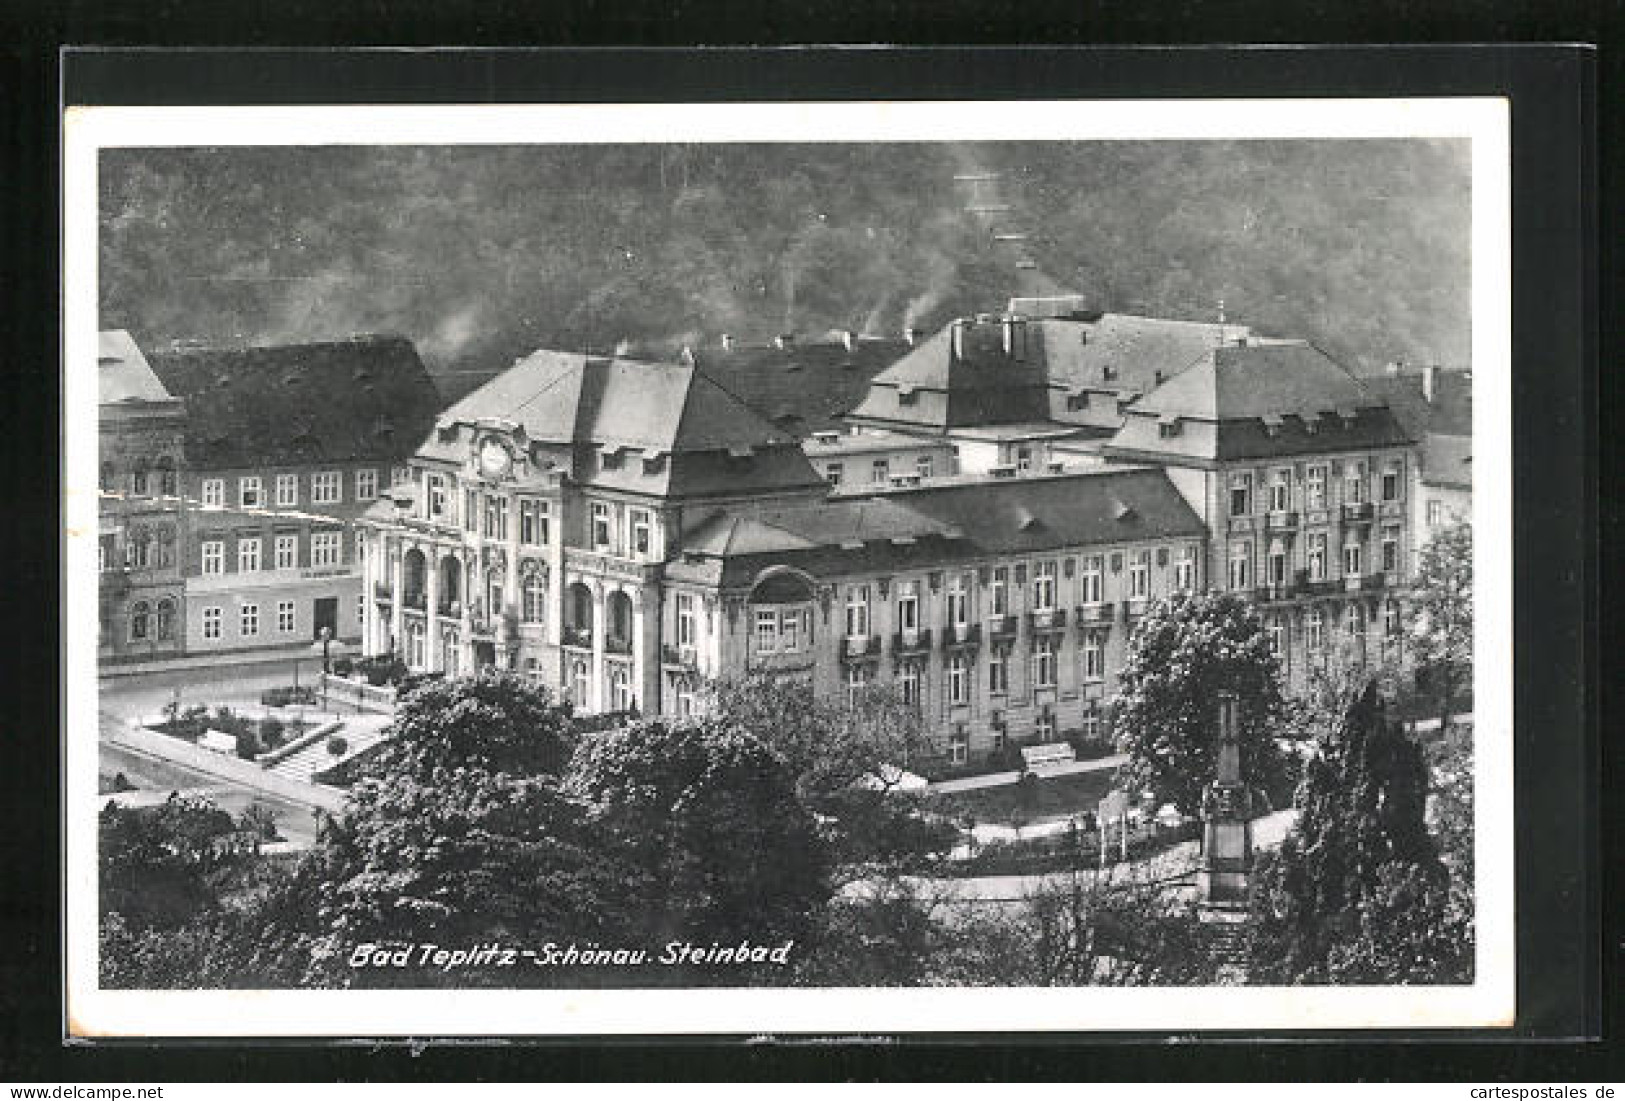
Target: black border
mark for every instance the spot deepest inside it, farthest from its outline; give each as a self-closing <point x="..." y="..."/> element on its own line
<point x="1561" y="957"/>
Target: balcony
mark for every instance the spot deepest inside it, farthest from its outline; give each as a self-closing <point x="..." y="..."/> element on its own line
<point x="451" y="608"/>
<point x="617" y="644"/>
<point x="1098" y="612"/>
<point x="679" y="657"/>
<point x="860" y="646"/>
<point x="1360" y="513"/>
<point x="962" y="634"/>
<point x="1049" y="619"/>
<point x="415" y="601"/>
<point x="1001" y="626"/>
<point x="911" y="642"/>
<point x="579" y="638"/>
<point x="1135" y="607"/>
<point x="1285" y="521"/>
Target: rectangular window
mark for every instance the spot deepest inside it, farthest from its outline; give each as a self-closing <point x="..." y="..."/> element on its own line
<point x="1390" y="483"/>
<point x="287" y="490"/>
<point x="366" y="485"/>
<point x="285" y="620"/>
<point x="832" y="473"/>
<point x="214" y="556"/>
<point x="535" y="523"/>
<point x="601" y="528"/>
<point x="496" y="516"/>
<point x="1275" y="632"/>
<point x="1094" y="567"/>
<point x="1241" y="564"/>
<point x="998" y="670"/>
<point x="1435" y="514"/>
<point x="1391" y="622"/>
<point x="360" y="609"/>
<point x="880" y="473"/>
<point x="908" y="606"/>
<point x="999" y="593"/>
<point x="908" y="683"/>
<point x="249" y="492"/>
<point x="248" y="555"/>
<point x="214" y="492"/>
<point x="437" y="497"/>
<point x="1044" y="728"/>
<point x="286" y="552"/>
<point x="1353" y="483"/>
<point x="1091" y="726"/>
<point x="1315" y="495"/>
<point x="1317" y="556"/>
<point x="924" y="466"/>
<point x="1281" y="490"/>
<point x="1241" y="494"/>
<point x="1044" y="661"/>
<point x="790" y="630"/>
<point x="857" y="611"/>
<point x="685" y="619"/>
<point x="400" y="476"/>
<point x="1351" y="559"/>
<point x="959" y="598"/>
<point x="249" y="620"/>
<point x="211" y="622"/>
<point x="471" y="510"/>
<point x="325" y="548"/>
<point x="327" y="487"/>
<point x="958" y="747"/>
<point x="1044" y="587"/>
<point x="642" y="533"/>
<point x="959" y="677"/>
<point x="1139" y="575"/>
<point x="1094" y="656"/>
<point x="1390" y="550"/>
<point x="1185" y="569"/>
<point x="1355" y="621"/>
<point x="1275" y="565"/>
<point x="767" y="630"/>
<point x="1024" y="459"/>
<point x="857" y="681"/>
<point x="1314" y="630"/>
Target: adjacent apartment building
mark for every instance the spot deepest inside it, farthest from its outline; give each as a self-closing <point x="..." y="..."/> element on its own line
<point x="280" y="449"/>
<point x="141" y="535"/>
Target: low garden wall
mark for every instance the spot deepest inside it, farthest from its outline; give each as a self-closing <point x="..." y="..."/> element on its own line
<point x="249" y="774"/>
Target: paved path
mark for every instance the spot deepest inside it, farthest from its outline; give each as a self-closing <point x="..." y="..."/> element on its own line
<point x="999" y="779"/>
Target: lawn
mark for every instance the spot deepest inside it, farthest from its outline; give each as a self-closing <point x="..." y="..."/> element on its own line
<point x="1050" y="798"/>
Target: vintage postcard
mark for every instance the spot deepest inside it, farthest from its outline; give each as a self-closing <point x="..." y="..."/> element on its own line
<point x="788" y="568"/>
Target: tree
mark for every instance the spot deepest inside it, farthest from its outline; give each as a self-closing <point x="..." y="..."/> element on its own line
<point x="707" y="816"/>
<point x="1441" y="614"/>
<point x="160" y="866"/>
<point x="1357" y="892"/>
<point x="457" y="831"/>
<point x="1187" y="651"/>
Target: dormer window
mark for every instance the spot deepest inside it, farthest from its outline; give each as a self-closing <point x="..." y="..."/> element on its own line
<point x="1272" y="424"/>
<point x="907" y="395"/>
<point x="1077" y="401"/>
<point x="1168" y="426"/>
<point x="1108" y="372"/>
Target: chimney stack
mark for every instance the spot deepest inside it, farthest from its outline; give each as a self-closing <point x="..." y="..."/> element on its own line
<point x="1394" y="367"/>
<point x="784" y="340"/>
<point x="956" y="338"/>
<point x="727" y="342"/>
<point x="849" y="339"/>
<point x="686" y="356"/>
<point x="910" y="335"/>
<point x="1430" y="376"/>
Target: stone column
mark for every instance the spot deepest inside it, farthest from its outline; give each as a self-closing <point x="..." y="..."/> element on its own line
<point x="600" y="624"/>
<point x="431" y="613"/>
<point x="397" y="594"/>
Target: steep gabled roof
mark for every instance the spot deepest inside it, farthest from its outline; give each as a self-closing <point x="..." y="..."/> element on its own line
<point x="123" y="374"/>
<point x="367" y="398"/>
<point x="805" y="387"/>
<point x="932" y="388"/>
<point x="1124" y="352"/>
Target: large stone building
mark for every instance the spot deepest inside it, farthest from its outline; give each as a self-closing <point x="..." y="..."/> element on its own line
<point x="141" y="538"/>
<point x="625" y="531"/>
<point x="283" y="447"/>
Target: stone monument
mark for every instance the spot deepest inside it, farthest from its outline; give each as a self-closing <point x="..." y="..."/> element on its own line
<point x="1227" y="840"/>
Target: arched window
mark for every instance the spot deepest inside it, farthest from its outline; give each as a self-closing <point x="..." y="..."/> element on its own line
<point x="139" y="613"/>
<point x="619" y="628"/>
<point x="166" y="476"/>
<point x="166" y="546"/>
<point x="416" y="569"/>
<point x="166" y="620"/>
<point x="581" y="613"/>
<point x="535" y="598"/>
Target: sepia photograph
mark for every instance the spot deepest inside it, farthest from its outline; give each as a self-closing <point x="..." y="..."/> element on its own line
<point x="801" y="567"/>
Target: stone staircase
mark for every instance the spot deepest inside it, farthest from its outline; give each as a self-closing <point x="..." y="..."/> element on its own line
<point x="360" y="734"/>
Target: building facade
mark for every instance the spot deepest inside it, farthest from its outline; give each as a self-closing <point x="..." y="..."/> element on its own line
<point x="142" y="536"/>
<point x="285" y="447"/>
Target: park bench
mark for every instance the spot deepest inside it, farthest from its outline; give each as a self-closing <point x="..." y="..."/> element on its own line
<point x="1050" y="753"/>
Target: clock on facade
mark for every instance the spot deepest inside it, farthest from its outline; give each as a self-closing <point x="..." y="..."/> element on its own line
<point x="494" y="458"/>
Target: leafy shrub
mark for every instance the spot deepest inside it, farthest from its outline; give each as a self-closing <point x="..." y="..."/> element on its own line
<point x="343" y="667"/>
<point x="336" y="746"/>
<point x="287" y="696"/>
<point x="272" y="732"/>
<point x="248" y="745"/>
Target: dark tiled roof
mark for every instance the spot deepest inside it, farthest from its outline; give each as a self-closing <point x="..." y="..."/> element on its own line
<point x="944" y="524"/>
<point x="367" y="398"/>
<point x="659" y="428"/>
<point x="1255" y="380"/>
<point x="1451" y="410"/>
<point x="805" y="387"/>
<point x="931" y="388"/>
<point x="1447" y="460"/>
